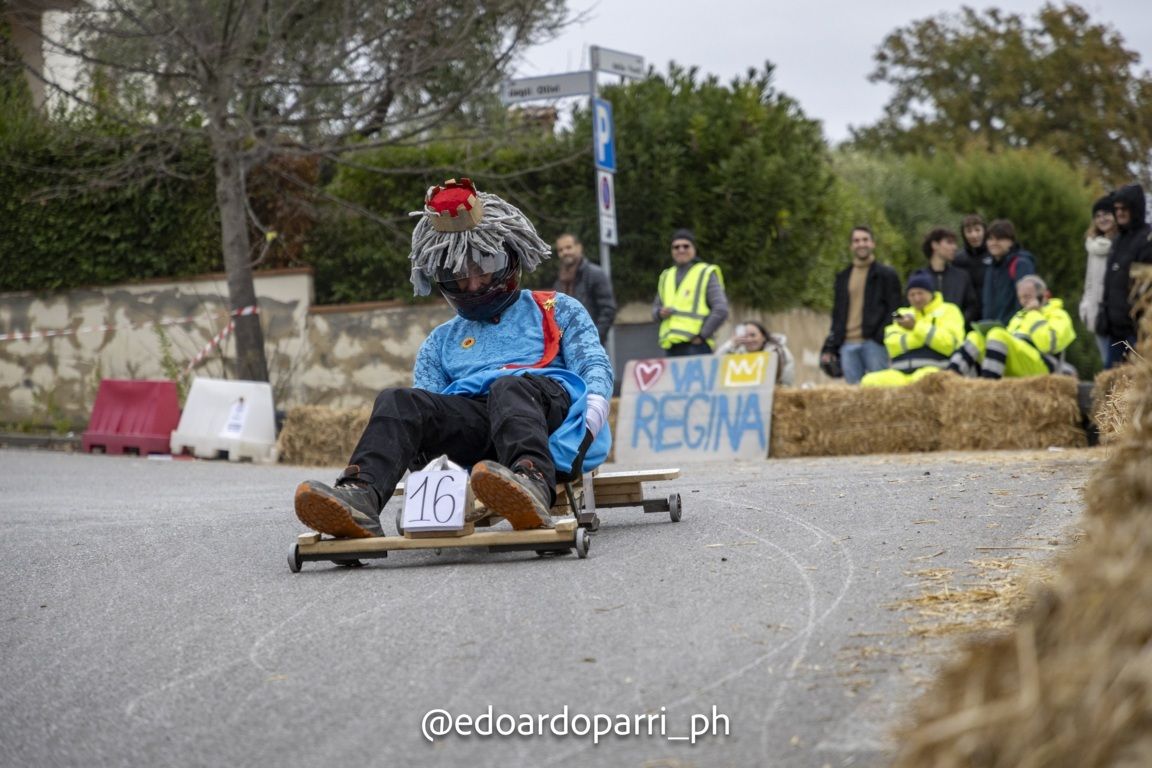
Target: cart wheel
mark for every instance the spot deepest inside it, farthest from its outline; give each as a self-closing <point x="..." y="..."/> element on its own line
<point x="582" y="542"/>
<point x="674" y="507"/>
<point x="400" y="521"/>
<point x="294" y="560"/>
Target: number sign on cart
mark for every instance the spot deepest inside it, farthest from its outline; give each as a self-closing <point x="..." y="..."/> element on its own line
<point x="434" y="500"/>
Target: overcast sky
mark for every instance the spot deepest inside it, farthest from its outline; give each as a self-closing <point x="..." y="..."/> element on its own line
<point x="822" y="50"/>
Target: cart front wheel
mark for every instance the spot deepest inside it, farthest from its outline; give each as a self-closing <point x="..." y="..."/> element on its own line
<point x="583" y="540"/>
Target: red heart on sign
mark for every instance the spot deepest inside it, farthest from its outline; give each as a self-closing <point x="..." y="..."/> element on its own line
<point x="648" y="373"/>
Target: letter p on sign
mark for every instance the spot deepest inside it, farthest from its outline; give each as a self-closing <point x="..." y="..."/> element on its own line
<point x="603" y="138"/>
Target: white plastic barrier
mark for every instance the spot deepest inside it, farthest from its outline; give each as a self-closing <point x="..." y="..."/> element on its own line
<point x="232" y="417"/>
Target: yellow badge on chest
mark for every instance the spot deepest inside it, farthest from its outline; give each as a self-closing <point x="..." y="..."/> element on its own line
<point x="468" y="342"/>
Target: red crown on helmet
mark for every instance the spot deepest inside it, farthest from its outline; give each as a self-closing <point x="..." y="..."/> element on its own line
<point x="454" y="205"/>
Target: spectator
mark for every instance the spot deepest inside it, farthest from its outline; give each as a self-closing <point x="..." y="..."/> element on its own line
<point x="1132" y="245"/>
<point x="1031" y="345"/>
<point x="953" y="283"/>
<point x="586" y="282"/>
<point x="971" y="257"/>
<point x="865" y="296"/>
<point x="1097" y="243"/>
<point x="690" y="303"/>
<point x="751" y="336"/>
<point x="922" y="336"/>
<point x="1004" y="265"/>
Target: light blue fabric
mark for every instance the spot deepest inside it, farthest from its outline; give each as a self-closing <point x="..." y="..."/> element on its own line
<point x="861" y="357"/>
<point x="464" y="357"/>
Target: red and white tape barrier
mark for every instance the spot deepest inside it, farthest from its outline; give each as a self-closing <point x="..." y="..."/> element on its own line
<point x="216" y="341"/>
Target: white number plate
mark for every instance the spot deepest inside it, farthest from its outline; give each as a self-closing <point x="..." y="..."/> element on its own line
<point x="434" y="500"/>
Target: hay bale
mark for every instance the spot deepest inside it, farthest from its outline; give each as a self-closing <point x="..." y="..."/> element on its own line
<point x="1034" y="412"/>
<point x="1071" y="684"/>
<point x="939" y="412"/>
<point x="318" y="436"/>
<point x="840" y="421"/>
<point x="1111" y="401"/>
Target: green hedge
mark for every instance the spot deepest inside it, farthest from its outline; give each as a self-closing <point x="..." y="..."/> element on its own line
<point x="64" y="224"/>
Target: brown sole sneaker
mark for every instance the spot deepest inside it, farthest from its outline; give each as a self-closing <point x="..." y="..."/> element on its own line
<point x="499" y="489"/>
<point x="322" y="513"/>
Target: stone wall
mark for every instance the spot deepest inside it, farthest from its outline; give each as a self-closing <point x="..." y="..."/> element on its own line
<point x="337" y="356"/>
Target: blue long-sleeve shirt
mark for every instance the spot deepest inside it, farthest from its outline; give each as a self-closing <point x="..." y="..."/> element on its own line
<point x="461" y="348"/>
<point x="464" y="357"/>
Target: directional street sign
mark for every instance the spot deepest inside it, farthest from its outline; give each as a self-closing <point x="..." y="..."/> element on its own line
<point x="606" y="203"/>
<point x="546" y="87"/>
<point x="603" y="138"/>
<point x="618" y="63"/>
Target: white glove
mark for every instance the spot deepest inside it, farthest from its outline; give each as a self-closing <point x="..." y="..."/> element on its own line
<point x="597" y="415"/>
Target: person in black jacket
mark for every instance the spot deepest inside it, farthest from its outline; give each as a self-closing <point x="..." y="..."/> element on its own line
<point x="955" y="284"/>
<point x="866" y="295"/>
<point x="1134" y="245"/>
<point x="971" y="257"/>
<point x="586" y="282"/>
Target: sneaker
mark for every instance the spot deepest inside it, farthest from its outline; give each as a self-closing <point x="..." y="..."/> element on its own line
<point x="348" y="510"/>
<point x="520" y="495"/>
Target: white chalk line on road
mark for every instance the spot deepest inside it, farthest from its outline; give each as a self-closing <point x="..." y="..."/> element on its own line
<point x="803" y="637"/>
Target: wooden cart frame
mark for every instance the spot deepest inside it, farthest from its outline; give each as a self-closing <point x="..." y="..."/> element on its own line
<point x="592" y="492"/>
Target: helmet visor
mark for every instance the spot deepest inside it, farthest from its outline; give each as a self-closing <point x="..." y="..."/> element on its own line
<point x="476" y="274"/>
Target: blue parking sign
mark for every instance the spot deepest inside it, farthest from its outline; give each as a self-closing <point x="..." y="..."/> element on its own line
<point x="603" y="135"/>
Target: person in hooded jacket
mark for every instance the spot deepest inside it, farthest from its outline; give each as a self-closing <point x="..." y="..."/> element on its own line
<point x="1097" y="244"/>
<point x="1133" y="245"/>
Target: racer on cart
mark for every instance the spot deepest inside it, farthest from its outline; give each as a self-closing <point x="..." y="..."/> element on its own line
<point x="517" y="384"/>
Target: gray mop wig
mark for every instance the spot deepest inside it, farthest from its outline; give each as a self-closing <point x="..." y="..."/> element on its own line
<point x="448" y="239"/>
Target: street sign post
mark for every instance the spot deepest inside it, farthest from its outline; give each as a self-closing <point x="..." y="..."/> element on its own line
<point x="603" y="133"/>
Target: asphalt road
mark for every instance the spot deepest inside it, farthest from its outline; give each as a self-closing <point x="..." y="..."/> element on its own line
<point x="149" y="617"/>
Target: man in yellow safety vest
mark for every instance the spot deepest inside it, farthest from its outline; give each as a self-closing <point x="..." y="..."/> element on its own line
<point x="691" y="304"/>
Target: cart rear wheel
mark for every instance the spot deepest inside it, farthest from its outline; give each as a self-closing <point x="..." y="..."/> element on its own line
<point x="294" y="560"/>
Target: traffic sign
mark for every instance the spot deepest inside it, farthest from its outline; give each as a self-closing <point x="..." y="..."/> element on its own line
<point x="603" y="138"/>
<point x="606" y="204"/>
<point x="617" y="62"/>
<point x="546" y="87"/>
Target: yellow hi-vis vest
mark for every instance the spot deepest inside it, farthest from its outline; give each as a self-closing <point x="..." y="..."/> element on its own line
<point x="688" y="302"/>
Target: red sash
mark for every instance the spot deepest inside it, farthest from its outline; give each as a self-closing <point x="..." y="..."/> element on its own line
<point x="546" y="300"/>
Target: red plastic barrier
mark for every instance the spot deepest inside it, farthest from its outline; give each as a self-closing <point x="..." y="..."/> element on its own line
<point x="133" y="416"/>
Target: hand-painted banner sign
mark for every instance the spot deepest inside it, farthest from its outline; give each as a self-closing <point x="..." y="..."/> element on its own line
<point x="696" y="408"/>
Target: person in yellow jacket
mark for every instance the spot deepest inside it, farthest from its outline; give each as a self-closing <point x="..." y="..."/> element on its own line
<point x="922" y="336"/>
<point x="690" y="303"/>
<point x="1031" y="345"/>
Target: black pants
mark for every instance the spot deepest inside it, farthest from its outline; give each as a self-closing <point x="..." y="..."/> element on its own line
<point x="685" y="348"/>
<point x="410" y="427"/>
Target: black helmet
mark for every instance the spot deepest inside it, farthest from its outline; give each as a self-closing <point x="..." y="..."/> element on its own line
<point x="485" y="286"/>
